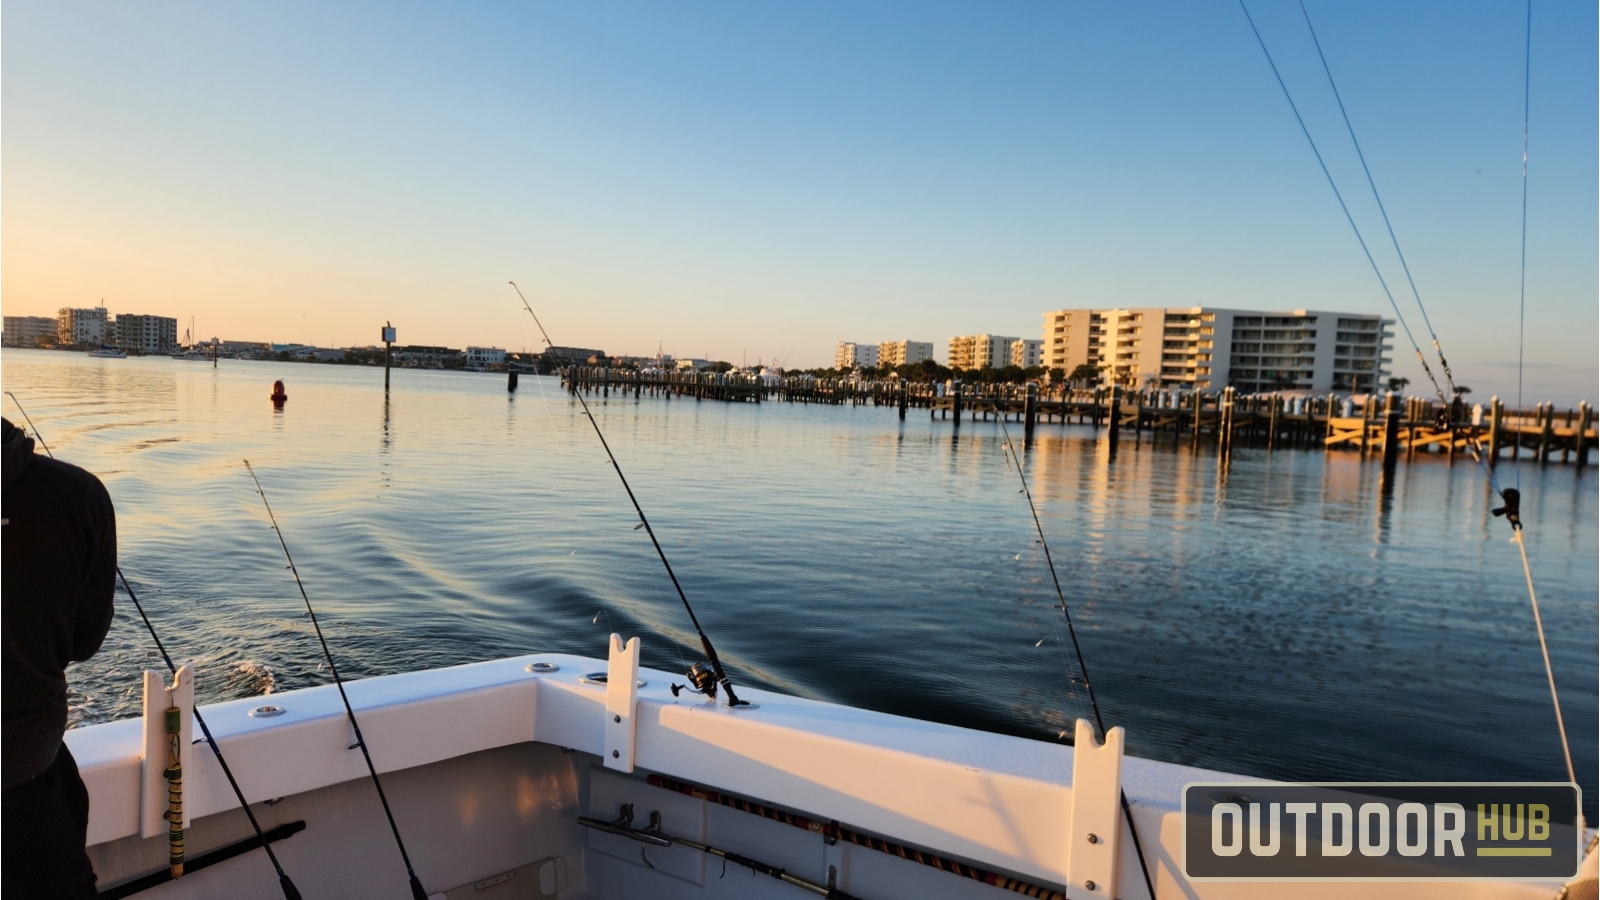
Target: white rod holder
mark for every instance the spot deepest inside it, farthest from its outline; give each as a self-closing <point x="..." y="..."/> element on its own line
<point x="622" y="700"/>
<point x="158" y="698"/>
<point x="1094" y="833"/>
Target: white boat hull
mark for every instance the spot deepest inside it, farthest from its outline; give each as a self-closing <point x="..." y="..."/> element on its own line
<point x="488" y="767"/>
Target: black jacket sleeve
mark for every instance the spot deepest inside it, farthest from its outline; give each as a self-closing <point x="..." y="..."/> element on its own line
<point x="93" y="616"/>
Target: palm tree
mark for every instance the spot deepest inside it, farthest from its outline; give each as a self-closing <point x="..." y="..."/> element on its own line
<point x="1462" y="390"/>
<point x="1398" y="384"/>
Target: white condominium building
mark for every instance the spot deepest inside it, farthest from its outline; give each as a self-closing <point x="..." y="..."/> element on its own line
<point x="904" y="353"/>
<point x="485" y="356"/>
<point x="146" y="334"/>
<point x="81" y="326"/>
<point x="1027" y="353"/>
<point x="852" y="355"/>
<point x="980" y="351"/>
<point x="26" y="331"/>
<point x="1208" y="349"/>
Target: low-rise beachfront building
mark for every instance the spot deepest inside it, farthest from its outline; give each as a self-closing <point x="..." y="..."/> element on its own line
<point x="28" y="331"/>
<point x="82" y="325"/>
<point x="255" y="349"/>
<point x="904" y="353"/>
<point x="1207" y="348"/>
<point x="556" y="357"/>
<point x="980" y="351"/>
<point x="484" y="357"/>
<point x="146" y="334"/>
<point x="1026" y="353"/>
<point x="852" y="355"/>
<point x="423" y="356"/>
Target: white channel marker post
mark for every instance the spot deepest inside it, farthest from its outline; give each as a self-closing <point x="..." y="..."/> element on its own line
<point x="158" y="698"/>
<point x="1094" y="833"/>
<point x="622" y="699"/>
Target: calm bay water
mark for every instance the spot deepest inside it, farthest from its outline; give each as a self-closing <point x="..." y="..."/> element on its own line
<point x="1283" y="619"/>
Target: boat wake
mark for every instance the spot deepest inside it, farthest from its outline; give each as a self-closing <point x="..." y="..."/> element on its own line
<point x="250" y="679"/>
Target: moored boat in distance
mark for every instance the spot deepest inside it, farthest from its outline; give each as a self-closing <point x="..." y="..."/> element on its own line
<point x="104" y="352"/>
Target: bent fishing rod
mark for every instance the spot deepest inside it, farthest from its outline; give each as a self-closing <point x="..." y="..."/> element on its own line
<point x="702" y="680"/>
<point x="290" y="892"/>
<point x="417" y="892"/>
<point x="1077" y="649"/>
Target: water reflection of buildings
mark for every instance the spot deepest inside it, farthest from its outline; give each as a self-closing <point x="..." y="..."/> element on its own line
<point x="1078" y="475"/>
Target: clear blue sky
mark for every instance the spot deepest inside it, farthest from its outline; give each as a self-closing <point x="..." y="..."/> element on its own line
<point x="766" y="179"/>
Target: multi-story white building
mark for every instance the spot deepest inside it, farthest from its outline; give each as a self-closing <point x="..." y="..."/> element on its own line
<point x="1026" y="353"/>
<point x="146" y="334"/>
<point x="852" y="355"/>
<point x="26" y="331"/>
<point x="904" y="353"/>
<point x="980" y="351"/>
<point x="1208" y="349"/>
<point x="81" y="326"/>
<point x="485" y="356"/>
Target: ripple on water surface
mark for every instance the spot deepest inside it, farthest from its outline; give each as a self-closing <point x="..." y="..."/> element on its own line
<point x="1285" y="621"/>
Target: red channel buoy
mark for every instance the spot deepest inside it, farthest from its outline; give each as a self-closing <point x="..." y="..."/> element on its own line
<point x="278" y="394"/>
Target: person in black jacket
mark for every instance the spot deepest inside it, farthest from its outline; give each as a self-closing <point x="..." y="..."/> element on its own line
<point x="59" y="557"/>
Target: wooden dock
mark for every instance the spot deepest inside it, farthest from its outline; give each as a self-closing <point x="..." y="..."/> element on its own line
<point x="1369" y="425"/>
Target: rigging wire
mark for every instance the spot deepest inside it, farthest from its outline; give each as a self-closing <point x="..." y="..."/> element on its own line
<point x="705" y="642"/>
<point x="417" y="892"/>
<point x="290" y="892"/>
<point x="1342" y="206"/>
<point x="1077" y="649"/>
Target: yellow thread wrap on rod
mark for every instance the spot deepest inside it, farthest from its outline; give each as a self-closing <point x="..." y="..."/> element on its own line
<point x="174" y="775"/>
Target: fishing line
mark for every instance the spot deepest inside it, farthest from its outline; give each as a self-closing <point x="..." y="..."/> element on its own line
<point x="544" y="402"/>
<point x="1522" y="284"/>
<point x="1077" y="649"/>
<point x="703" y="684"/>
<point x="417" y="892"/>
<point x="1443" y="364"/>
<point x="1343" y="207"/>
<point x="1510" y="496"/>
<point x="1545" y="649"/>
<point x="1472" y="440"/>
<point x="1522" y="305"/>
<point x="290" y="892"/>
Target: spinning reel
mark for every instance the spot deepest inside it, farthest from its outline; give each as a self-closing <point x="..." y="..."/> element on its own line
<point x="703" y="678"/>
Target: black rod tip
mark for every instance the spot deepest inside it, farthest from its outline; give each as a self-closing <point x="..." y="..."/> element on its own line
<point x="290" y="892"/>
<point x="417" y="893"/>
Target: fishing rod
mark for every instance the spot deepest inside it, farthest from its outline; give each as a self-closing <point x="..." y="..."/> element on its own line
<point x="703" y="680"/>
<point x="1510" y="497"/>
<point x="290" y="892"/>
<point x="653" y="836"/>
<point x="1077" y="649"/>
<point x="417" y="892"/>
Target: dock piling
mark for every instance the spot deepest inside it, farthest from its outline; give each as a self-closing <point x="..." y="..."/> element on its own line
<point x="1391" y="435"/>
<point x="1114" y="422"/>
<point x="1030" y="403"/>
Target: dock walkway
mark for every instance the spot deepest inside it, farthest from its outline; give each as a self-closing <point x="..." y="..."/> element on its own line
<point x="1367" y="424"/>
